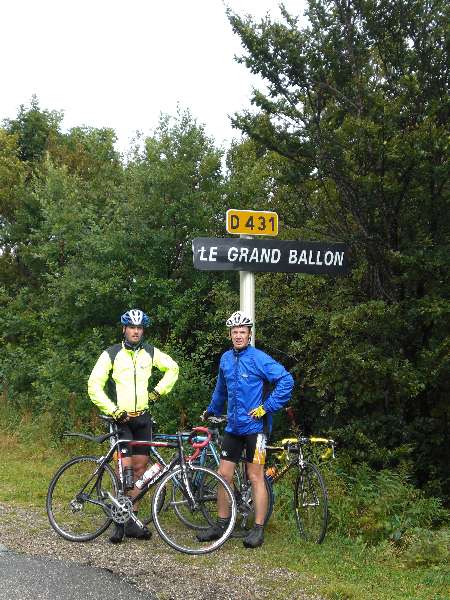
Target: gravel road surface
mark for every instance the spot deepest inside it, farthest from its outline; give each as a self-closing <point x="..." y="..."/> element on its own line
<point x="152" y="567"/>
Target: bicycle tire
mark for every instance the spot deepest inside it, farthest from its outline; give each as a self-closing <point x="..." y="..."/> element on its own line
<point x="171" y="528"/>
<point x="146" y="506"/>
<point x="189" y="518"/>
<point x="270" y="498"/>
<point x="311" y="504"/>
<point x="75" y="502"/>
<point x="244" y="505"/>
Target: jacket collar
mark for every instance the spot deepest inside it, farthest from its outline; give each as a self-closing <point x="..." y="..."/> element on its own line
<point x="130" y="347"/>
<point x="240" y="352"/>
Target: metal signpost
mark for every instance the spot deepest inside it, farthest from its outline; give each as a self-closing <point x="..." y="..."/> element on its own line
<point x="248" y="223"/>
<point x="247" y="295"/>
<point x="248" y="255"/>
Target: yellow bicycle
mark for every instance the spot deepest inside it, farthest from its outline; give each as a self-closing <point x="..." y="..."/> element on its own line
<point x="310" y="493"/>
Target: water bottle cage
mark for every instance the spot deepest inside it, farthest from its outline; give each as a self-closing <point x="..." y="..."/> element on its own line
<point x="128" y="478"/>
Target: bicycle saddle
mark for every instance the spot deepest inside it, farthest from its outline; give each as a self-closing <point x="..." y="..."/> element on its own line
<point x="98" y="439"/>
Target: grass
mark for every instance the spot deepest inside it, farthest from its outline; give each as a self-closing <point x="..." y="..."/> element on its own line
<point x="25" y="475"/>
<point x="344" y="569"/>
<point x="339" y="569"/>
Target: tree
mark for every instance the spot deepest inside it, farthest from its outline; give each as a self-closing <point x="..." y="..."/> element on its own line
<point x="35" y="128"/>
<point x="95" y="237"/>
<point x="357" y="103"/>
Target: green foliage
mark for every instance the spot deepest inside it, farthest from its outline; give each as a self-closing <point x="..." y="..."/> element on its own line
<point x="12" y="174"/>
<point x="349" y="143"/>
<point x="34" y="128"/>
<point x="427" y="548"/>
<point x="381" y="505"/>
<point x="90" y="237"/>
<point x="356" y="109"/>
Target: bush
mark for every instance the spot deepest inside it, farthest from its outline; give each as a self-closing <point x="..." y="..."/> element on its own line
<point x="377" y="506"/>
<point x="427" y="548"/>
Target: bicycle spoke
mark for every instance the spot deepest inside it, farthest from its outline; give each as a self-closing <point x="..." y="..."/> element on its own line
<point x="190" y="505"/>
<point x="77" y="499"/>
<point x="311" y="504"/>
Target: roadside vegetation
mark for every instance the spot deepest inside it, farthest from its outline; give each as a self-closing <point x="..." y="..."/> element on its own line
<point x="386" y="540"/>
<point x="348" y="143"/>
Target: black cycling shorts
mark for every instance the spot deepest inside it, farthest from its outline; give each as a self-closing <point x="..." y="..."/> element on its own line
<point x="136" y="428"/>
<point x="254" y="444"/>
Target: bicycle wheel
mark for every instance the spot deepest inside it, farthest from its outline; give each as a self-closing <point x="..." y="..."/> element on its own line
<point x="242" y="489"/>
<point x="145" y="505"/>
<point x="244" y="503"/>
<point x="311" y="504"/>
<point x="192" y="494"/>
<point x="77" y="503"/>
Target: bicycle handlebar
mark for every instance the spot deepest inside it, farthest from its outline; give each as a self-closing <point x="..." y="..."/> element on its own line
<point x="198" y="445"/>
<point x="202" y="443"/>
<point x="98" y="439"/>
<point x="292" y="445"/>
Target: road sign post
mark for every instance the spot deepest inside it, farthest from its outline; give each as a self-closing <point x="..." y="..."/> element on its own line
<point x="247" y="294"/>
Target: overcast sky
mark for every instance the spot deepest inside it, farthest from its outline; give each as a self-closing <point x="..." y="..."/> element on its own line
<point x="119" y="64"/>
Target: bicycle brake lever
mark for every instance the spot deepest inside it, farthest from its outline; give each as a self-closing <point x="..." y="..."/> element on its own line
<point x="217" y="420"/>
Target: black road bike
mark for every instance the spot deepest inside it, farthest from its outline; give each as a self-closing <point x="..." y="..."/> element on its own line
<point x="87" y="494"/>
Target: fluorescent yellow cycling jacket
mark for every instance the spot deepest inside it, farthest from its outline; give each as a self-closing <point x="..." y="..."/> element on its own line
<point x="128" y="372"/>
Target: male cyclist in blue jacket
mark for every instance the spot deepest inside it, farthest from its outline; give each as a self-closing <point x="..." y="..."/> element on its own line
<point x="244" y="373"/>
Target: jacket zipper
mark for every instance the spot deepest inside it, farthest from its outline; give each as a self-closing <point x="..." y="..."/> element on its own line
<point x="236" y="382"/>
<point x="135" y="386"/>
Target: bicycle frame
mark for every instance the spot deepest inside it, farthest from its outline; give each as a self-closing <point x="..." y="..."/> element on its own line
<point x="201" y="459"/>
<point x="173" y="441"/>
<point x="295" y="446"/>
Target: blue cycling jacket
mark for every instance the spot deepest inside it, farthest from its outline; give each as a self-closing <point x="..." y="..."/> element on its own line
<point x="240" y="383"/>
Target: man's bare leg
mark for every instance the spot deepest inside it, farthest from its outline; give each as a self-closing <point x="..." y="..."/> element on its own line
<point x="255" y="474"/>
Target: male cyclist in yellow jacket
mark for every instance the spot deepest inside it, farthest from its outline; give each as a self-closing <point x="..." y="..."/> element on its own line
<point x="126" y="368"/>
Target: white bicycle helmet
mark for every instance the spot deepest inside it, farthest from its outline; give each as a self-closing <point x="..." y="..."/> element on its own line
<point x="239" y="319"/>
<point x="135" y="317"/>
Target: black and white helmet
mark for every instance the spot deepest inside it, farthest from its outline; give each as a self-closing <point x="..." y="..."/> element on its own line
<point x="239" y="319"/>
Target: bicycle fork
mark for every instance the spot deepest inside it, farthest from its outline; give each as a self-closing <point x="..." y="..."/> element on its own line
<point x="185" y="487"/>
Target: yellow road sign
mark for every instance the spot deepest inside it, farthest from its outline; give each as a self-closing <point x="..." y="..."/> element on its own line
<point x="252" y="222"/>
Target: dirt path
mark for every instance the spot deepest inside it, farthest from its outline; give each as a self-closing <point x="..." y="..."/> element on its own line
<point x="231" y="573"/>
